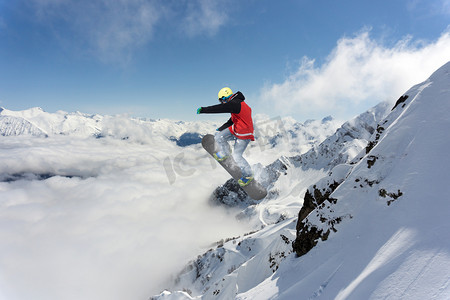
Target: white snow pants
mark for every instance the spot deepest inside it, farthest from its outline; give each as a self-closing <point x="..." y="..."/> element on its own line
<point x="222" y="138"/>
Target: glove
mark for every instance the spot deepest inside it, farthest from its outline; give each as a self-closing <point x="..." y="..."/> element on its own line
<point x="199" y="110"/>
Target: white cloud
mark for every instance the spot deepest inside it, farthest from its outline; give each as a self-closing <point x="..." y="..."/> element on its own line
<point x="205" y="16"/>
<point x="429" y="9"/>
<point x="110" y="30"/>
<point x="445" y="7"/>
<point x="113" y="29"/>
<point x="359" y="72"/>
<point x="119" y="233"/>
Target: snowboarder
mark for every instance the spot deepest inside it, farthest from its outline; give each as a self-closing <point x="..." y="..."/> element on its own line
<point x="239" y="128"/>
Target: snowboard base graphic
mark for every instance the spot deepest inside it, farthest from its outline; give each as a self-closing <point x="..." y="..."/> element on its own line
<point x="254" y="189"/>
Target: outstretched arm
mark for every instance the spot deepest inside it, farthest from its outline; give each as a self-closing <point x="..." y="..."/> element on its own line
<point x="230" y="107"/>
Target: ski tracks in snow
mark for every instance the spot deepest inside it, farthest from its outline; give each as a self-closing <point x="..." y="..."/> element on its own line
<point x="322" y="287"/>
<point x="400" y="242"/>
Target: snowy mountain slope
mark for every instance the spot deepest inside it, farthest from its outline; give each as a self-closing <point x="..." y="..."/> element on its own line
<point x="14" y="126"/>
<point x="291" y="135"/>
<point x="238" y="265"/>
<point x="377" y="229"/>
<point x="85" y="125"/>
<point x="386" y="224"/>
<point x="346" y="143"/>
<point x="51" y="123"/>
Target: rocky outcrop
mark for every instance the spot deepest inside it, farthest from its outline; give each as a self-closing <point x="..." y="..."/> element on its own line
<point x="318" y="197"/>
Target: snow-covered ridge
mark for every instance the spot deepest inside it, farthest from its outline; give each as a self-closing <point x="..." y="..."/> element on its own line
<point x="374" y="228"/>
<point x="295" y="136"/>
<point x="37" y="122"/>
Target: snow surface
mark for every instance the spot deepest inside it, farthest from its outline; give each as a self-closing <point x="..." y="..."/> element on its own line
<point x="109" y="207"/>
<point x="388" y="221"/>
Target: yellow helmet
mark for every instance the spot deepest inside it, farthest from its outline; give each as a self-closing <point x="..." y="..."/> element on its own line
<point x="225" y="93"/>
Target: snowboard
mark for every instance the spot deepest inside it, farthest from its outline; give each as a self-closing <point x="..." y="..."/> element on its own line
<point x="254" y="189"/>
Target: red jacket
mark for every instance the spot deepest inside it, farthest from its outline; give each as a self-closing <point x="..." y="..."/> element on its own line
<point x="242" y="126"/>
<point x="241" y="123"/>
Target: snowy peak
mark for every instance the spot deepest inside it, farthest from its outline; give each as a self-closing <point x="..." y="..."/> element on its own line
<point x="13" y="126"/>
<point x="395" y="141"/>
<point x="37" y="122"/>
<point x="346" y="142"/>
<point x="393" y="199"/>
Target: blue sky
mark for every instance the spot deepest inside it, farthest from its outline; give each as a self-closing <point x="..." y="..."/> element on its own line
<point x="163" y="59"/>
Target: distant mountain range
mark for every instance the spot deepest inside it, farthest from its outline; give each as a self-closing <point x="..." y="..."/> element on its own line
<point x="270" y="131"/>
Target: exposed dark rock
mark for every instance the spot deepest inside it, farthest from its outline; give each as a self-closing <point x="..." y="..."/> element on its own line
<point x="311" y="201"/>
<point x="371" y="159"/>
<point x="276" y="258"/>
<point x="307" y="238"/>
<point x="400" y="100"/>
<point x="394" y="196"/>
<point x="285" y="239"/>
<point x="371" y="182"/>
<point x="307" y="235"/>
<point x="371" y="144"/>
<point x="318" y="198"/>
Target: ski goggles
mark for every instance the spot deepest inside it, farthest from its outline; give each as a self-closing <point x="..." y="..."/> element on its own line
<point x="224" y="99"/>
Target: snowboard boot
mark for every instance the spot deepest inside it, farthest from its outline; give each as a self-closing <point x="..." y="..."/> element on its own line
<point x="220" y="156"/>
<point x="244" y="181"/>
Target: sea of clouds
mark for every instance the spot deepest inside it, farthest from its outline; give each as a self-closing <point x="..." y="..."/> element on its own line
<point x="86" y="218"/>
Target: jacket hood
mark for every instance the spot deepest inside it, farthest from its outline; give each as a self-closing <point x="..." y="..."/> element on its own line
<point x="238" y="97"/>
